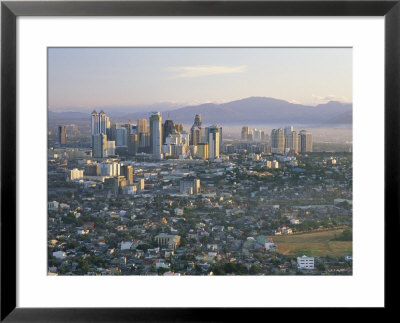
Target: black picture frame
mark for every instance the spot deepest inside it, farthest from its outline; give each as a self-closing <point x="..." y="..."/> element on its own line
<point x="10" y="10"/>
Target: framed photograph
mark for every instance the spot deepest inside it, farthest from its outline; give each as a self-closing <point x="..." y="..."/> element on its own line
<point x="162" y="157"/>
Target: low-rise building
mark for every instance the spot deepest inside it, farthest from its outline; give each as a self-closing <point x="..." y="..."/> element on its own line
<point x="305" y="262"/>
<point x="171" y="241"/>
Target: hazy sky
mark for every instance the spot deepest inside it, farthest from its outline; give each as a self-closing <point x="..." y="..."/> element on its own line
<point x="92" y="77"/>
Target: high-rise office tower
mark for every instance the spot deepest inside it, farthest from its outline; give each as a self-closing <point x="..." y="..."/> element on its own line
<point x="195" y="131"/>
<point x="257" y="135"/>
<point x="195" y="136"/>
<point x="144" y="140"/>
<point x="100" y="123"/>
<point x="133" y="144"/>
<point x="110" y="148"/>
<point x="112" y="131"/>
<point x="250" y="136"/>
<point x="127" y="171"/>
<point x="277" y="141"/>
<point x="202" y="150"/>
<point x="133" y="130"/>
<point x="62" y="135"/>
<point x="213" y="141"/>
<point x="292" y="141"/>
<point x="178" y="127"/>
<point x="156" y="134"/>
<point x="245" y="133"/>
<point x="288" y="130"/>
<point x="100" y="146"/>
<point x="168" y="128"/>
<point x="263" y="137"/>
<point x="305" y="141"/>
<point x="142" y="126"/>
<point x="121" y="137"/>
<point x="197" y="120"/>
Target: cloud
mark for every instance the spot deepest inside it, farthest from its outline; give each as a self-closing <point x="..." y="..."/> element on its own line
<point x="317" y="99"/>
<point x="204" y="70"/>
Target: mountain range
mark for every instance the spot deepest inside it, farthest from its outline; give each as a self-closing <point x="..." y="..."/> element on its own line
<point x="252" y="110"/>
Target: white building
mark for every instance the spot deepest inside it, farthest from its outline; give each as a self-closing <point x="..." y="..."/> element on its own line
<point x="156" y="134"/>
<point x="74" y="174"/>
<point x="59" y="254"/>
<point x="305" y="262"/>
<point x="126" y="245"/>
<point x="178" y="211"/>
<point x="52" y="206"/>
<point x="213" y="141"/>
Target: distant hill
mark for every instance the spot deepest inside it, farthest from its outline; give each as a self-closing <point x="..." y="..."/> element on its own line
<point x="253" y="110"/>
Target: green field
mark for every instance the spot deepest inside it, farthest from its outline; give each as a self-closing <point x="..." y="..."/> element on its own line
<point x="317" y="244"/>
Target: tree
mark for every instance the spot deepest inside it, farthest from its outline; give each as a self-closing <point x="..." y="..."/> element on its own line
<point x="254" y="270"/>
<point x="83" y="266"/>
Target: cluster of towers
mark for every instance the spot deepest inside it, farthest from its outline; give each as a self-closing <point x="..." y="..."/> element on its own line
<point x="254" y="135"/>
<point x="206" y="140"/>
<point x="285" y="140"/>
<point x="282" y="140"/>
<point x="159" y="139"/>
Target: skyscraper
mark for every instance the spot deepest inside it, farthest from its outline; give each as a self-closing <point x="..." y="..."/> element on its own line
<point x="127" y="171"/>
<point x="142" y="126"/>
<point x="257" y="135"/>
<point x="100" y="146"/>
<point x="195" y="131"/>
<point x="213" y="141"/>
<point x="112" y="132"/>
<point x="288" y="130"/>
<point x="277" y="141"/>
<point x="292" y="141"/>
<point x="100" y="125"/>
<point x="178" y="127"/>
<point x="62" y="135"/>
<point x="202" y="150"/>
<point x="168" y="128"/>
<point x="133" y="144"/>
<point x="197" y="120"/>
<point x="245" y="133"/>
<point x="306" y="141"/>
<point x="121" y="137"/>
<point x="156" y="134"/>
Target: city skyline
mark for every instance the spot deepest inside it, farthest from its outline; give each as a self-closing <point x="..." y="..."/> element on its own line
<point x="90" y="77"/>
<point x="257" y="186"/>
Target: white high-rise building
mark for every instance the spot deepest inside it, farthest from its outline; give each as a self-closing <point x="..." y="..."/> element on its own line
<point x="98" y="128"/>
<point x="156" y="134"/>
<point x="277" y="141"/>
<point x="213" y="141"/>
<point x="305" y="141"/>
<point x="100" y="123"/>
<point x="292" y="141"/>
<point x="256" y="135"/>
